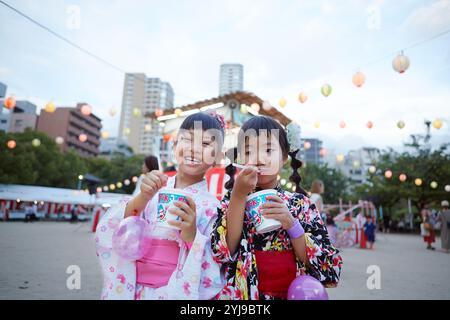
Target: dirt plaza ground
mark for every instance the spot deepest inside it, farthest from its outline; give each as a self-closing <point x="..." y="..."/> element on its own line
<point x="35" y="258"/>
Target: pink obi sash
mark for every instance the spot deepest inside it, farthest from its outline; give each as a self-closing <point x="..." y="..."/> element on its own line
<point x="156" y="267"/>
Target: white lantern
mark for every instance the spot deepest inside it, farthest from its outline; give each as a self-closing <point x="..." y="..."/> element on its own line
<point x="400" y="63"/>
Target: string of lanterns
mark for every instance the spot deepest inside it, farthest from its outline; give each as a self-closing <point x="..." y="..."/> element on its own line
<point x="403" y="177"/>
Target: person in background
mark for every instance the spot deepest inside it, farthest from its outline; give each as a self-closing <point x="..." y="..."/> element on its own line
<point x="369" y="230"/>
<point x="427" y="228"/>
<point x="445" y="226"/>
<point x="73" y="214"/>
<point x="317" y="188"/>
<point x="150" y="163"/>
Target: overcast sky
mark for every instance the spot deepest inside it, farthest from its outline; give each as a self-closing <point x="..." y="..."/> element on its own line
<point x="285" y="47"/>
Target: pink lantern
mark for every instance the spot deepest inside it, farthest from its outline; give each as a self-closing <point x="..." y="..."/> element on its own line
<point x="388" y="174"/>
<point x="83" y="137"/>
<point x="358" y="79"/>
<point x="369" y="124"/>
<point x="11" y="144"/>
<point x="86" y="109"/>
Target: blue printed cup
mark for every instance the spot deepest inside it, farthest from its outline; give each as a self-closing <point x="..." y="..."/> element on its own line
<point x="166" y="198"/>
<point x="252" y="207"/>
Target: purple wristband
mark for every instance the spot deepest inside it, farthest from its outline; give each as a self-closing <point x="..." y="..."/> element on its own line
<point x="296" y="231"/>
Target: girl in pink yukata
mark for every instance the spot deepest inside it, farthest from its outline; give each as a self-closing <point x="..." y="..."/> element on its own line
<point x="179" y="263"/>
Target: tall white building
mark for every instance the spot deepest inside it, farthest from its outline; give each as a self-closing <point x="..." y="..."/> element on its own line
<point x="357" y="162"/>
<point x="141" y="95"/>
<point x="231" y="78"/>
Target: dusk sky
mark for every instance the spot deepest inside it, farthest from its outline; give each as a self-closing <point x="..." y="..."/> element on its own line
<point x="285" y="46"/>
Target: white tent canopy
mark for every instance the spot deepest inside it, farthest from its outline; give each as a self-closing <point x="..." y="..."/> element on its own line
<point x="56" y="195"/>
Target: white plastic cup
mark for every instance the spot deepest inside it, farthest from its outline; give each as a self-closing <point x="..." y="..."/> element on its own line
<point x="166" y="197"/>
<point x="252" y="207"/>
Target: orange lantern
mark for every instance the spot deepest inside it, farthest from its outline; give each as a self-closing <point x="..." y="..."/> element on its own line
<point x="83" y="137"/>
<point x="159" y="112"/>
<point x="11" y="144"/>
<point x="302" y="97"/>
<point x="402" y="177"/>
<point x="358" y="79"/>
<point x="167" y="137"/>
<point x="369" y="124"/>
<point x="10" y="103"/>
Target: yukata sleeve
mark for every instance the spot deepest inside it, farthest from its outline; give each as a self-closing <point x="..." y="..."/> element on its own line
<point x="221" y="252"/>
<point x="324" y="262"/>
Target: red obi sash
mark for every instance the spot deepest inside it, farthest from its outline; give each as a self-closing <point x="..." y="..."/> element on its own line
<point x="276" y="271"/>
<point x="157" y="266"/>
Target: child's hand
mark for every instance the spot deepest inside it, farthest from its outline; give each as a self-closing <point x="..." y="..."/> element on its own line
<point x="277" y="209"/>
<point x="187" y="222"/>
<point x="246" y="180"/>
<point x="152" y="182"/>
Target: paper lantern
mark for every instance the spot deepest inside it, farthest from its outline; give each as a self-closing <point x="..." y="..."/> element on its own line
<point x="323" y="152"/>
<point x="119" y="185"/>
<point x="302" y="97"/>
<point x="105" y="134"/>
<point x="148" y="128"/>
<point x="36" y="142"/>
<point x="307" y="145"/>
<point x="82" y="137"/>
<point x="255" y="107"/>
<point x="167" y="137"/>
<point x="282" y="102"/>
<point x="418" y="182"/>
<point x="9" y="103"/>
<point x="86" y="109"/>
<point x="326" y="90"/>
<point x="134" y="179"/>
<point x="136" y="112"/>
<point x="400" y="63"/>
<point x="433" y="184"/>
<point x="178" y="112"/>
<point x="437" y="124"/>
<point x="126" y="131"/>
<point x="447" y="188"/>
<point x="244" y="108"/>
<point x="372" y="169"/>
<point x="402" y="177"/>
<point x="50" y="107"/>
<point x="317" y="124"/>
<point x="388" y="174"/>
<point x="127" y="182"/>
<point x="11" y="144"/>
<point x="159" y="112"/>
<point x="401" y="124"/>
<point x="283" y="182"/>
<point x="340" y="158"/>
<point x="59" y="140"/>
<point x="112" y="187"/>
<point x="162" y="124"/>
<point x="356" y="164"/>
<point x="112" y="112"/>
<point x="342" y="124"/>
<point x="99" y="189"/>
<point x="266" y="105"/>
<point x="358" y="79"/>
<point x="105" y="188"/>
<point x="369" y="124"/>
